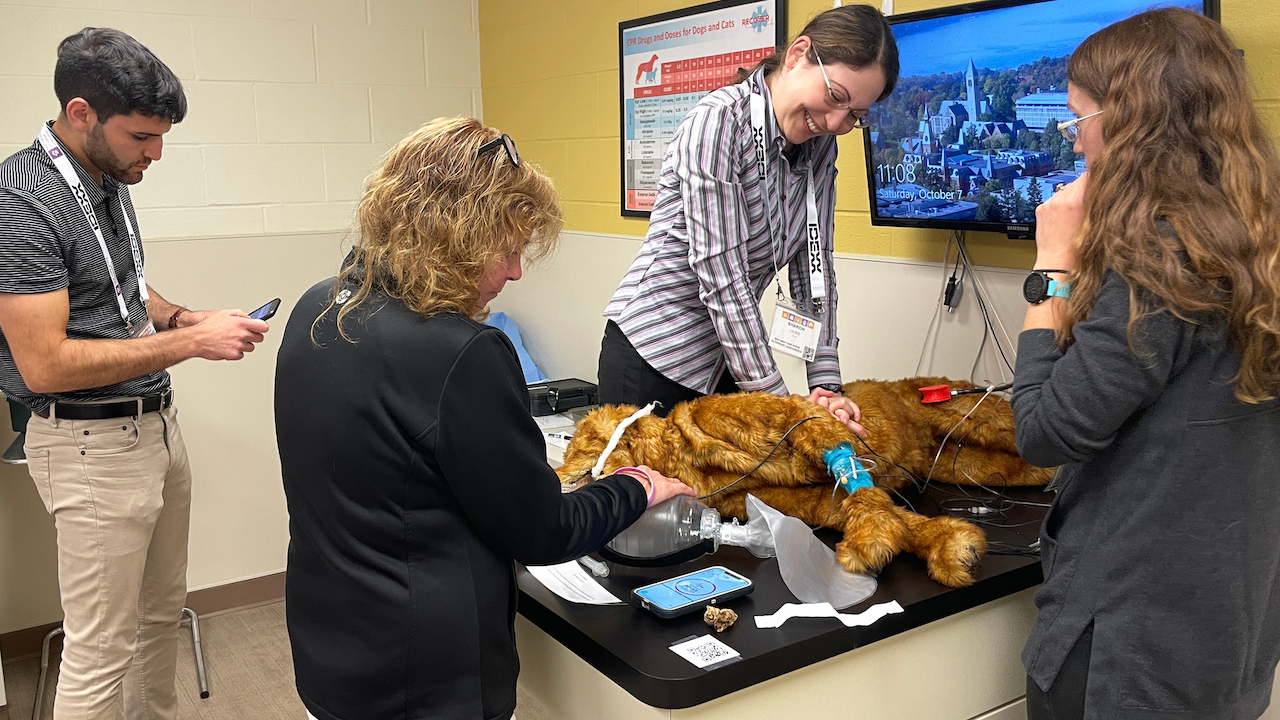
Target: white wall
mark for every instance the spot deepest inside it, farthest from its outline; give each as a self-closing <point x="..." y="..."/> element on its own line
<point x="884" y="313"/>
<point x="291" y="102"/>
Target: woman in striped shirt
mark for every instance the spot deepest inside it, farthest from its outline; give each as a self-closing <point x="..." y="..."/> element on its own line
<point x="685" y="321"/>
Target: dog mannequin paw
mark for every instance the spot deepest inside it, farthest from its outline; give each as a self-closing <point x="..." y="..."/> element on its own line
<point x="954" y="551"/>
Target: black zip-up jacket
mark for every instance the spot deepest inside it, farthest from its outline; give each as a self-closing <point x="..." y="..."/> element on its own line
<point x="415" y="476"/>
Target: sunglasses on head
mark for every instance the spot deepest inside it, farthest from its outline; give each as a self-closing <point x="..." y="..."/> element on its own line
<point x="503" y="141"/>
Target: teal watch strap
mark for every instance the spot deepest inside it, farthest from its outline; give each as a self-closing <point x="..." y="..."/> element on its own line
<point x="1058" y="289"/>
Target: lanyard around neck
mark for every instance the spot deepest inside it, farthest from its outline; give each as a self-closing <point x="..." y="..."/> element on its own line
<point x="813" y="231"/>
<point x="63" y="163"/>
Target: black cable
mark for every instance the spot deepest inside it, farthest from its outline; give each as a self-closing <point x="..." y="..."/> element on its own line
<point x="974" y="391"/>
<point x="949" y="297"/>
<point x="915" y="479"/>
<point x="760" y="464"/>
<point x="982" y="305"/>
<point x="934" y="321"/>
<point x="1002" y="548"/>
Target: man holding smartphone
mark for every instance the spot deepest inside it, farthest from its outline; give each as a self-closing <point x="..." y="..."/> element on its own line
<point x="79" y="346"/>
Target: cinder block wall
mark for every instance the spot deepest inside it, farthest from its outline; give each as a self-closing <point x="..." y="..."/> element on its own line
<point x="291" y="101"/>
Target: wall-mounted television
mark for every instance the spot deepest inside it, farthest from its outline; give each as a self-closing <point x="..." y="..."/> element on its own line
<point x="968" y="140"/>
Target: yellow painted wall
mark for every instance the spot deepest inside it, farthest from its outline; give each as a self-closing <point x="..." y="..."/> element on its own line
<point x="549" y="73"/>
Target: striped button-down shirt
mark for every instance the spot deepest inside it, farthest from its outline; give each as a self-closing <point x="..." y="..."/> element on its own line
<point x="690" y="302"/>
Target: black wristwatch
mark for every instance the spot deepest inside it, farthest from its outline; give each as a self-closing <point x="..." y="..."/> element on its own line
<point x="836" y="388"/>
<point x="1039" y="287"/>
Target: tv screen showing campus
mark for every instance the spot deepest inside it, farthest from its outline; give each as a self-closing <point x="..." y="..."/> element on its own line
<point x="970" y="135"/>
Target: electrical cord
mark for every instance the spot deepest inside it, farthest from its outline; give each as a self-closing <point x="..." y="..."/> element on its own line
<point x="980" y="291"/>
<point x="955" y="284"/>
<point x="943" y="444"/>
<point x="760" y="464"/>
<point x="937" y="309"/>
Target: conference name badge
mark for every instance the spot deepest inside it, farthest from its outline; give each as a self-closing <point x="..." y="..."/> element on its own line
<point x="794" y="332"/>
<point x="142" y="330"/>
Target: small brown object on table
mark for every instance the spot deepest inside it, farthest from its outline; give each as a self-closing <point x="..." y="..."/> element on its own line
<point x="719" y="618"/>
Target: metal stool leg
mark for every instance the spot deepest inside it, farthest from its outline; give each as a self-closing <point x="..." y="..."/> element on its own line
<point x="38" y="709"/>
<point x="201" y="678"/>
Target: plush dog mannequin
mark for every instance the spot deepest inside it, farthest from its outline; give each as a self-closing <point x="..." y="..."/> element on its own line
<point x="712" y="441"/>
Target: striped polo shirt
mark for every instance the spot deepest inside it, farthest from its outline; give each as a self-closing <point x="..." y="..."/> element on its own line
<point x="47" y="244"/>
<point x="690" y="302"/>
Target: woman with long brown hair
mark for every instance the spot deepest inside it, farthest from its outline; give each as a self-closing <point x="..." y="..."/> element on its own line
<point x="414" y="473"/>
<point x="1148" y="369"/>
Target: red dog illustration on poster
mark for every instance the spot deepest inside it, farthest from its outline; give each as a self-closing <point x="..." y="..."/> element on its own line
<point x="646" y="69"/>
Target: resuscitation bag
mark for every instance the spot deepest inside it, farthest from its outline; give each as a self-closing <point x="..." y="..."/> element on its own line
<point x="683" y="528"/>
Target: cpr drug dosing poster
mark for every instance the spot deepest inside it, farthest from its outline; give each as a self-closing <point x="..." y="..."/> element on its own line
<point x="668" y="62"/>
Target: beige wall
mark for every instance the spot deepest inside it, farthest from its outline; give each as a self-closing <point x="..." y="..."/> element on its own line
<point x="291" y="101"/>
<point x="291" y="104"/>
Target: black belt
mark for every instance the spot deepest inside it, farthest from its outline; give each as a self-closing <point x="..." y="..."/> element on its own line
<point x="104" y="411"/>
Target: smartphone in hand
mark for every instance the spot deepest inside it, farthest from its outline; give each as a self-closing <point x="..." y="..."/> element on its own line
<point x="266" y="311"/>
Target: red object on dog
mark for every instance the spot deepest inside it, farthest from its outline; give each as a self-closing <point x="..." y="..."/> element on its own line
<point x="935" y="393"/>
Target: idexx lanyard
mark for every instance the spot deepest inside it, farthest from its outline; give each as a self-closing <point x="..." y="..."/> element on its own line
<point x="817" y="275"/>
<point x="63" y="163"/>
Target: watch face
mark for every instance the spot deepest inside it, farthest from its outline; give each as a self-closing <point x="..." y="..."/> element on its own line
<point x="1035" y="288"/>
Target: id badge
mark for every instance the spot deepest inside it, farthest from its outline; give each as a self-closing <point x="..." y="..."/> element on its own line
<point x="794" y="332"/>
<point x="142" y="330"/>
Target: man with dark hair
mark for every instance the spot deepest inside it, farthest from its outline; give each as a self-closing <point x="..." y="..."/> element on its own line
<point x="79" y="347"/>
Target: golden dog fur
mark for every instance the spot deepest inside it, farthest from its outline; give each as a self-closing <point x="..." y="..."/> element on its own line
<point x="711" y="441"/>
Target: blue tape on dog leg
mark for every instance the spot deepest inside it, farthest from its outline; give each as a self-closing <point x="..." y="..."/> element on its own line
<point x="843" y="465"/>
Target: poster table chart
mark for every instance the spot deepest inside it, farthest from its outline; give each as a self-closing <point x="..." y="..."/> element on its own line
<point x="952" y="654"/>
<point x="654" y="112"/>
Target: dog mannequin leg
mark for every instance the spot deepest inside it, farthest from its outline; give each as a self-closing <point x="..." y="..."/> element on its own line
<point x="873" y="531"/>
<point x="950" y="547"/>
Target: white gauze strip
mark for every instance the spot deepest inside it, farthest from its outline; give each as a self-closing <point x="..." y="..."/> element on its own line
<point x="617" y="435"/>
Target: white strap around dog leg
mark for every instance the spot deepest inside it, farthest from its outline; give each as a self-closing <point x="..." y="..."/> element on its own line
<point x="617" y="435"/>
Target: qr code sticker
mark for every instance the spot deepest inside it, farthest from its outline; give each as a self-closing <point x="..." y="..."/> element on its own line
<point x="704" y="651"/>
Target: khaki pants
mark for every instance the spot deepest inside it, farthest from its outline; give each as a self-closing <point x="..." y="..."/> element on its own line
<point x="119" y="491"/>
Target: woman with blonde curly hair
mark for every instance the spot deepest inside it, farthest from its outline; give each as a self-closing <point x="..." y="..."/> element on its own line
<point x="414" y="473"/>
<point x="1151" y="377"/>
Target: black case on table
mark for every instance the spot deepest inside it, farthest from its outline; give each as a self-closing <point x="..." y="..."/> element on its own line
<point x="552" y="396"/>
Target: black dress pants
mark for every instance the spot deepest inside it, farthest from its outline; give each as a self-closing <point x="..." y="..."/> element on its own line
<point x="626" y="379"/>
<point x="1065" y="698"/>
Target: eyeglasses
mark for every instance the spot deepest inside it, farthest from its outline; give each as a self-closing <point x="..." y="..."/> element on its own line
<point x="861" y="118"/>
<point x="1069" y="129"/>
<point x="504" y="141"/>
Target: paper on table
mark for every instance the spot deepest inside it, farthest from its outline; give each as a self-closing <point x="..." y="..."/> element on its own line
<point x="862" y="619"/>
<point x="548" y="422"/>
<point x="560" y="440"/>
<point x="704" y="651"/>
<point x="571" y="582"/>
